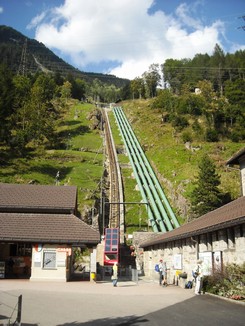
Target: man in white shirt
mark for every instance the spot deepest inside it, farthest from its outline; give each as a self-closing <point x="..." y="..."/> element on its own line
<point x="199" y="272"/>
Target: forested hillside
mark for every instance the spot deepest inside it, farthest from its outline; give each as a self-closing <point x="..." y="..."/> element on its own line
<point x="28" y="56"/>
<point x="176" y="159"/>
<point x="46" y="128"/>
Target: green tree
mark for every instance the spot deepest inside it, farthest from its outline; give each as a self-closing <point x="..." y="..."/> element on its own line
<point x="79" y="89"/>
<point x="6" y="102"/>
<point x="217" y="62"/>
<point x="137" y="87"/>
<point x="43" y="89"/>
<point x="174" y="74"/>
<point x="22" y="88"/>
<point x="65" y="90"/>
<point x="35" y="118"/>
<point x="111" y="93"/>
<point x="165" y="101"/>
<point x="235" y="92"/>
<point x="96" y="90"/>
<point x="206" y="196"/>
<point x="152" y="79"/>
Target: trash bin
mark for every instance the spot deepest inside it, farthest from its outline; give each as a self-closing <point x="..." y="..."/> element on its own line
<point x="93" y="276"/>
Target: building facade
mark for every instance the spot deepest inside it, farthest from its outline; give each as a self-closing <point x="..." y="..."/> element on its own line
<point x="38" y="229"/>
<point x="218" y="238"/>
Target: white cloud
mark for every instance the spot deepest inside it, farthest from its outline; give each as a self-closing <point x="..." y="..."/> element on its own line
<point x="1" y="10"/>
<point x="124" y="32"/>
<point x="184" y="14"/>
<point x="36" y="20"/>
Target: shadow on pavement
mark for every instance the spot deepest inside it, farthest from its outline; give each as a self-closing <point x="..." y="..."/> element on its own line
<point x="202" y="310"/>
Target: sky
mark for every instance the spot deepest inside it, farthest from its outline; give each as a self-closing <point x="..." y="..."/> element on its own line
<point x="124" y="37"/>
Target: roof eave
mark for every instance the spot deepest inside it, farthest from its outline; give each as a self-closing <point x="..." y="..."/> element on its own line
<point x="234" y="160"/>
<point x="194" y="233"/>
<point x="53" y="241"/>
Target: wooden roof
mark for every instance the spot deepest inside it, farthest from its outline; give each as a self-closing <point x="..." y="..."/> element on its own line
<point x="230" y="214"/>
<point x="37" y="198"/>
<point x="42" y="214"/>
<point x="46" y="228"/>
<point x="235" y="159"/>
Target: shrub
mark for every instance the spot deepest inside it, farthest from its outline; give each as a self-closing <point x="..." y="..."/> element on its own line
<point x="212" y="135"/>
<point x="186" y="137"/>
<point x="180" y="122"/>
<point x="228" y="283"/>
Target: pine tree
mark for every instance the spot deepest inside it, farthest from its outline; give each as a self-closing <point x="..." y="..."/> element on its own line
<point x="206" y="196"/>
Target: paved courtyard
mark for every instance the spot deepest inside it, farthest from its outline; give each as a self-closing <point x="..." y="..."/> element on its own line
<point x="85" y="303"/>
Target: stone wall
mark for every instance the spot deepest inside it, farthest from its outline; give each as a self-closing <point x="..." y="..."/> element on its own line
<point x="216" y="249"/>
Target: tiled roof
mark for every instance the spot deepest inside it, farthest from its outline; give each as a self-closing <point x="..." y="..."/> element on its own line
<point x="227" y="215"/>
<point x="236" y="157"/>
<point x="46" y="228"/>
<point x="37" y="198"/>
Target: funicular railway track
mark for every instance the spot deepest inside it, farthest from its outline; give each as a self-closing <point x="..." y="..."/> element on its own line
<point x="115" y="210"/>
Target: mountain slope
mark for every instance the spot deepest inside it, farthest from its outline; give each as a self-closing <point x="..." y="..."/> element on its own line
<point x="21" y="53"/>
<point x="175" y="162"/>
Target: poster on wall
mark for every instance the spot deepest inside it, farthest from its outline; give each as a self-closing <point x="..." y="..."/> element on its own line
<point x="37" y="259"/>
<point x="217" y="259"/>
<point x="206" y="257"/>
<point x="93" y="261"/>
<point x="177" y="261"/>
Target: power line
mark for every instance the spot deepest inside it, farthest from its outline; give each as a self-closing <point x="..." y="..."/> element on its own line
<point x="22" y="66"/>
<point x="205" y="68"/>
<point x="242" y="27"/>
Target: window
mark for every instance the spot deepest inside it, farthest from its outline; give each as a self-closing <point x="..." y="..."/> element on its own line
<point x="49" y="259"/>
<point x="20" y="249"/>
<point x="111" y="254"/>
<point x="111" y="240"/>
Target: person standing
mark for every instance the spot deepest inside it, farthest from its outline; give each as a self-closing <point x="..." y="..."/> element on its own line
<point x="161" y="268"/>
<point x="114" y="274"/>
<point x="199" y="272"/>
<point x="164" y="274"/>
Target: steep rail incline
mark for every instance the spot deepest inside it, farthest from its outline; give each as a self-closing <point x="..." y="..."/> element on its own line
<point x="116" y="210"/>
<point x="160" y="213"/>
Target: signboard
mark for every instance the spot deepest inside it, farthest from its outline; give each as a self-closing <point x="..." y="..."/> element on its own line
<point x="93" y="261"/>
<point x="217" y="255"/>
<point x="206" y="257"/>
<point x="177" y="261"/>
<point x="38" y="247"/>
<point x="62" y="249"/>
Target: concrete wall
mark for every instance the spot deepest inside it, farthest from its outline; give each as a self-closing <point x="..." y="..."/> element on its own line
<point x="216" y="249"/>
<point x="242" y="167"/>
<point x="50" y="262"/>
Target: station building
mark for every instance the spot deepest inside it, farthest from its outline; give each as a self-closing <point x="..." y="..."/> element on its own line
<point x="218" y="238"/>
<point x="39" y="227"/>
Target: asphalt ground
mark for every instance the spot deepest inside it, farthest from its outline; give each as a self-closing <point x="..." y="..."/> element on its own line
<point x="98" y="304"/>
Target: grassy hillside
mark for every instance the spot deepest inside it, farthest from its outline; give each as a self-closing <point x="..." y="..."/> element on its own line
<point x="175" y="165"/>
<point x="79" y="161"/>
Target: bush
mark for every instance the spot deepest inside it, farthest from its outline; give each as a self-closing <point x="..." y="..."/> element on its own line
<point x="228" y="283"/>
<point x="180" y="122"/>
<point x="196" y="126"/>
<point x="186" y="137"/>
<point x="212" y="135"/>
